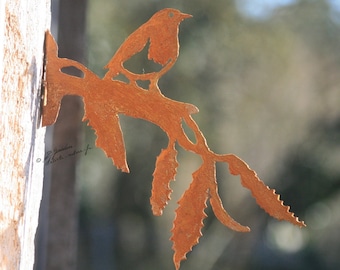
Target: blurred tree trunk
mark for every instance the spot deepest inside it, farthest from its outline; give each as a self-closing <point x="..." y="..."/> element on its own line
<point x="62" y="212"/>
<point x="22" y="31"/>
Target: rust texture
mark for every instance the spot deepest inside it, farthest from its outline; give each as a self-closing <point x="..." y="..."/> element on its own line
<point x="104" y="99"/>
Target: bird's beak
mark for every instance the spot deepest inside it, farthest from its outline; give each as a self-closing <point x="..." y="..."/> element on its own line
<point x="185" y="16"/>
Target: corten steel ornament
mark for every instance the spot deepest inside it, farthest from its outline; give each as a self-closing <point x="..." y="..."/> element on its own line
<point x="104" y="99"/>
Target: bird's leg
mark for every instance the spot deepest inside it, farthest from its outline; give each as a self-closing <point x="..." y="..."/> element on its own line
<point x="154" y="86"/>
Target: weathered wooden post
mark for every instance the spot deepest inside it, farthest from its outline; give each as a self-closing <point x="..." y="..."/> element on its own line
<point x="22" y="31"/>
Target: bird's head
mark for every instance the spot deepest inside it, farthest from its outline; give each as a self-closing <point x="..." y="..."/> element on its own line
<point x="171" y="14"/>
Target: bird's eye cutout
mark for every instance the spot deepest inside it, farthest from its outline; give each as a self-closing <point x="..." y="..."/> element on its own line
<point x="170" y="14"/>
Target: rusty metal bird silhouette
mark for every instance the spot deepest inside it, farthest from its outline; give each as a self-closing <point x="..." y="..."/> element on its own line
<point x="106" y="99"/>
<point x="161" y="31"/>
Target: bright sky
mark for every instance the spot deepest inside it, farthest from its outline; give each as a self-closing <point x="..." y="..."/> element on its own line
<point x="335" y="4"/>
<point x="261" y="9"/>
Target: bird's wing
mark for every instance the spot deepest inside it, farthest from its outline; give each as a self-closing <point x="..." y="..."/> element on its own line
<point x="132" y="45"/>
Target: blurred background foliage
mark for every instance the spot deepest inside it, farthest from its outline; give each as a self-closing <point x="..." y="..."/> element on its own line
<point x="265" y="76"/>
